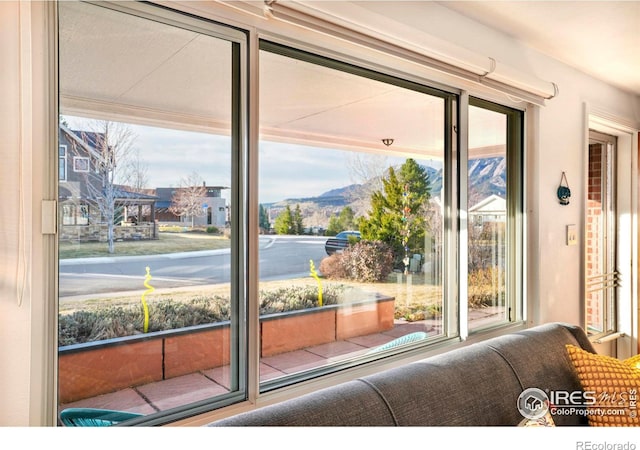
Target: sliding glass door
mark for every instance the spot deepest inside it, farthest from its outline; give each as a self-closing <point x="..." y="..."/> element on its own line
<point x="150" y="227"/>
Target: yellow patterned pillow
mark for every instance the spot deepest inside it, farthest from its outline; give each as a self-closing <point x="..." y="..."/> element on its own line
<point x="611" y="387"/>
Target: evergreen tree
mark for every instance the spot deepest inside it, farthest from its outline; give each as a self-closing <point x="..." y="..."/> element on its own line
<point x="345" y="221"/>
<point x="284" y="222"/>
<point x="397" y="214"/>
<point x="333" y="227"/>
<point x="297" y="221"/>
<point x="348" y="219"/>
<point x="263" y="219"/>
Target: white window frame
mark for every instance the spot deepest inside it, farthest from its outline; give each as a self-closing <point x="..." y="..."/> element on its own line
<point x="624" y="339"/>
<point x="81" y="164"/>
<point x="63" y="158"/>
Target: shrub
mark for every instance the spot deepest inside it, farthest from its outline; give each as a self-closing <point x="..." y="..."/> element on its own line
<point x="213" y="230"/>
<point x="333" y="267"/>
<point x="112" y="322"/>
<point x="417" y="312"/>
<point x="482" y="287"/>
<point x="298" y="297"/>
<point x="365" y="261"/>
<point x="167" y="314"/>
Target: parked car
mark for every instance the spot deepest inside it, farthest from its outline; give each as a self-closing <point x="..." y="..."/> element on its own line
<point x="341" y="241"/>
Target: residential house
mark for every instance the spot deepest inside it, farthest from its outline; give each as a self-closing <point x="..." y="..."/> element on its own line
<point x="214" y="208"/>
<point x="81" y="189"/>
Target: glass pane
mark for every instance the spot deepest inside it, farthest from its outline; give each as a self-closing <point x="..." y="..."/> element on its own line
<point x="487" y="226"/>
<point x="350" y="194"/>
<point x="145" y="221"/>
<point x="600" y="268"/>
<point x="62" y="163"/>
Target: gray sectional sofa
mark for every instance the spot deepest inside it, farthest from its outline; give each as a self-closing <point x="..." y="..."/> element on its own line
<point x="476" y="385"/>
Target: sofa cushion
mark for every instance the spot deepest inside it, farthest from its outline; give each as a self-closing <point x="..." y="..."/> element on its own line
<point x="349" y="404"/>
<point x="475" y="385"/>
<point x="539" y="359"/>
<point x="479" y="385"/>
<point x="614" y="385"/>
<point x="471" y="386"/>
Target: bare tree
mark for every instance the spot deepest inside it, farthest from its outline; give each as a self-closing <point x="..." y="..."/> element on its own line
<point x="367" y="171"/>
<point x="113" y="144"/>
<point x="188" y="198"/>
<point x="136" y="172"/>
<point x="135" y="176"/>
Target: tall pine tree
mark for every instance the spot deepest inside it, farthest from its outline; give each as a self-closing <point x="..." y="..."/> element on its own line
<point x="263" y="219"/>
<point x="284" y="222"/>
<point x="297" y="222"/>
<point x="398" y="211"/>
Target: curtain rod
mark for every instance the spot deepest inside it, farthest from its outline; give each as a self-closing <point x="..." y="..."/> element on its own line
<point x="496" y="76"/>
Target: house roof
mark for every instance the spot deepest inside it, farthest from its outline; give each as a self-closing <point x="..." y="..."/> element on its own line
<point x="492" y="204"/>
<point x="74" y="138"/>
<point x="125" y="193"/>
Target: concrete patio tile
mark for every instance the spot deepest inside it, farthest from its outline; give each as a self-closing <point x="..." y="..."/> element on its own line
<point x="333" y="349"/>
<point x="372" y="340"/>
<point x="180" y="391"/>
<point x="221" y="375"/>
<point x="403" y="329"/>
<point x="124" y="400"/>
<point x="268" y="373"/>
<point x="294" y="361"/>
<point x="186" y="389"/>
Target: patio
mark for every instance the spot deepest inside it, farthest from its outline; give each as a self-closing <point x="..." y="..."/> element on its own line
<point x="193" y="387"/>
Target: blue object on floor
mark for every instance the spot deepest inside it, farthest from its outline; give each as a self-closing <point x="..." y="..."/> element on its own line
<point x="406" y="339"/>
<point x="91" y="417"/>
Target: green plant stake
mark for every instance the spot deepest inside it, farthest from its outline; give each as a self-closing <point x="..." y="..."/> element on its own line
<point x="149" y="290"/>
<point x="314" y="274"/>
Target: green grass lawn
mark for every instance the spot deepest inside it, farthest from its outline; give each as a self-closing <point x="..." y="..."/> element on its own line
<point x="167" y="243"/>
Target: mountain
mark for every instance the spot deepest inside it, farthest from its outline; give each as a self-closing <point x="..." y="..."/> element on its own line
<point x="487" y="176"/>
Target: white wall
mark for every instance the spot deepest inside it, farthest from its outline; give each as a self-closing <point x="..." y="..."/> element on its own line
<point x="26" y="283"/>
<point x="14" y="317"/>
<point x="26" y="300"/>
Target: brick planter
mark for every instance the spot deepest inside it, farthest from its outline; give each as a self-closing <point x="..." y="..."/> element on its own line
<point x="285" y="332"/>
<point x="88" y="370"/>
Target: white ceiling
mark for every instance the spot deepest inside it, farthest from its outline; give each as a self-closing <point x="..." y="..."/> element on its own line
<point x="600" y="38"/>
<point x="123" y="67"/>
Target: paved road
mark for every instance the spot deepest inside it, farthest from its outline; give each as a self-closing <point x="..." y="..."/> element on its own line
<point x="281" y="257"/>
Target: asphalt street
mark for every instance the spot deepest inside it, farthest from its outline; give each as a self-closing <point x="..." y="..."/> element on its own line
<point x="280" y="257"/>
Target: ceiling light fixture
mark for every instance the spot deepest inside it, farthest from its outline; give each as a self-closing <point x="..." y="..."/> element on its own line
<point x="387" y="141"/>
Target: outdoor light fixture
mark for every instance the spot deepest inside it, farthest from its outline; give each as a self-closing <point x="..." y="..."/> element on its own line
<point x="387" y="141"/>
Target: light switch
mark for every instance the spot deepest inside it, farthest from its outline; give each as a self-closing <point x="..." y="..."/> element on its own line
<point x="572" y="236"/>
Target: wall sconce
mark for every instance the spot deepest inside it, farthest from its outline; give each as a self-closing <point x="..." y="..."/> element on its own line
<point x="387" y="141"/>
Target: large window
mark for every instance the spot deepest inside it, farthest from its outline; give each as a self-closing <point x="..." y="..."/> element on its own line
<point x="494" y="202"/>
<point x="352" y="187"/>
<point x="601" y="257"/>
<point x="201" y="264"/>
<point x="150" y="323"/>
